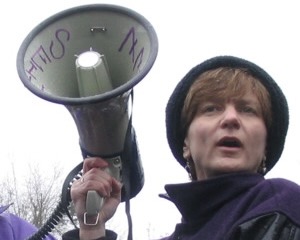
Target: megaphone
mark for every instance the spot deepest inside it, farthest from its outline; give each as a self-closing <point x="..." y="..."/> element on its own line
<point x="89" y="58"/>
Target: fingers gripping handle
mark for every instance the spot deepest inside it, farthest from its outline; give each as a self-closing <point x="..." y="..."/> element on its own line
<point x="94" y="201"/>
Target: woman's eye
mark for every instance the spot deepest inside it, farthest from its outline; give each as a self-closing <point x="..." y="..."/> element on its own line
<point x="210" y="108"/>
<point x="248" y="109"/>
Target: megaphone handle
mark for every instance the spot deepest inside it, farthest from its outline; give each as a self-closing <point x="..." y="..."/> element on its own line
<point x="94" y="203"/>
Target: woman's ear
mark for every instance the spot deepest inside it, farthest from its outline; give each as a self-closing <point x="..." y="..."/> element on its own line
<point x="186" y="150"/>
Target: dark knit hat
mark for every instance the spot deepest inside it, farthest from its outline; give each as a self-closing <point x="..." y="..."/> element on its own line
<point x="280" y="114"/>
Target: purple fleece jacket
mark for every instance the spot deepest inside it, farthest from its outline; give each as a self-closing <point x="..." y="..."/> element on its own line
<point x="213" y="209"/>
<point x="15" y="228"/>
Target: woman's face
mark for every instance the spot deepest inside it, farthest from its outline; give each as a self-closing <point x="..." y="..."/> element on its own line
<point x="226" y="136"/>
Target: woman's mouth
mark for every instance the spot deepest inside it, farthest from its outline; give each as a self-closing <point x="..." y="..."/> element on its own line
<point x="229" y="142"/>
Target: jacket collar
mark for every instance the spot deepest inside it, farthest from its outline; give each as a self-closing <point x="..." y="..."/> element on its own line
<point x="199" y="200"/>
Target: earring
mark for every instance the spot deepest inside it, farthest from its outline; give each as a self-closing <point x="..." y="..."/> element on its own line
<point x="188" y="169"/>
<point x="263" y="169"/>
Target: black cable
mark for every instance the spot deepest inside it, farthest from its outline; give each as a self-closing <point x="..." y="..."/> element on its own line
<point x="61" y="208"/>
<point x="53" y="220"/>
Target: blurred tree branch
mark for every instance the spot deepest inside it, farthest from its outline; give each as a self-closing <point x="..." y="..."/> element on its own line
<point x="35" y="197"/>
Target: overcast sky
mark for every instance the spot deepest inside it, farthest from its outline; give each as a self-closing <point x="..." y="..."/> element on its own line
<point x="36" y="131"/>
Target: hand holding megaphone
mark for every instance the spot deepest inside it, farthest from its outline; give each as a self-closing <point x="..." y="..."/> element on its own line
<point x="95" y="177"/>
<point x="110" y="173"/>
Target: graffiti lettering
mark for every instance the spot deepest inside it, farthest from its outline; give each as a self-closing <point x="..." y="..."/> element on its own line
<point x="140" y="58"/>
<point x="44" y="55"/>
<point x="59" y="34"/>
<point x="56" y="50"/>
<point x="37" y="60"/>
<point x="137" y="61"/>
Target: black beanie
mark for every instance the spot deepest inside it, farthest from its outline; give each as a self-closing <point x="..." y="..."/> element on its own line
<point x="280" y="114"/>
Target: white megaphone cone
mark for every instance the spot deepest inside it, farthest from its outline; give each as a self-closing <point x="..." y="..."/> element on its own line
<point x="89" y="58"/>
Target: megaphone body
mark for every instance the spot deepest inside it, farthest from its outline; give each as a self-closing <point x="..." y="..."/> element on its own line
<point x="47" y="66"/>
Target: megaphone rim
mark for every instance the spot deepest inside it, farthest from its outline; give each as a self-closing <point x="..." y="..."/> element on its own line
<point x="100" y="97"/>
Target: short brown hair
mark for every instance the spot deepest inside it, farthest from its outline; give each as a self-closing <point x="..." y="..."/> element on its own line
<point x="226" y="83"/>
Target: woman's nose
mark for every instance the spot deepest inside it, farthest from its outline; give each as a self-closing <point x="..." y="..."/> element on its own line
<point x="230" y="118"/>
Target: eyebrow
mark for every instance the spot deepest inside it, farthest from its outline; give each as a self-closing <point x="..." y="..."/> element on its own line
<point x="244" y="100"/>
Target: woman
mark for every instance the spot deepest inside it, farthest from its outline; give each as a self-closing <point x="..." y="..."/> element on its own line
<point x="226" y="125"/>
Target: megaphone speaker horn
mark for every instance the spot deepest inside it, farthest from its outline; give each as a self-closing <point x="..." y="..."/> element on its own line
<point x="89" y="58"/>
